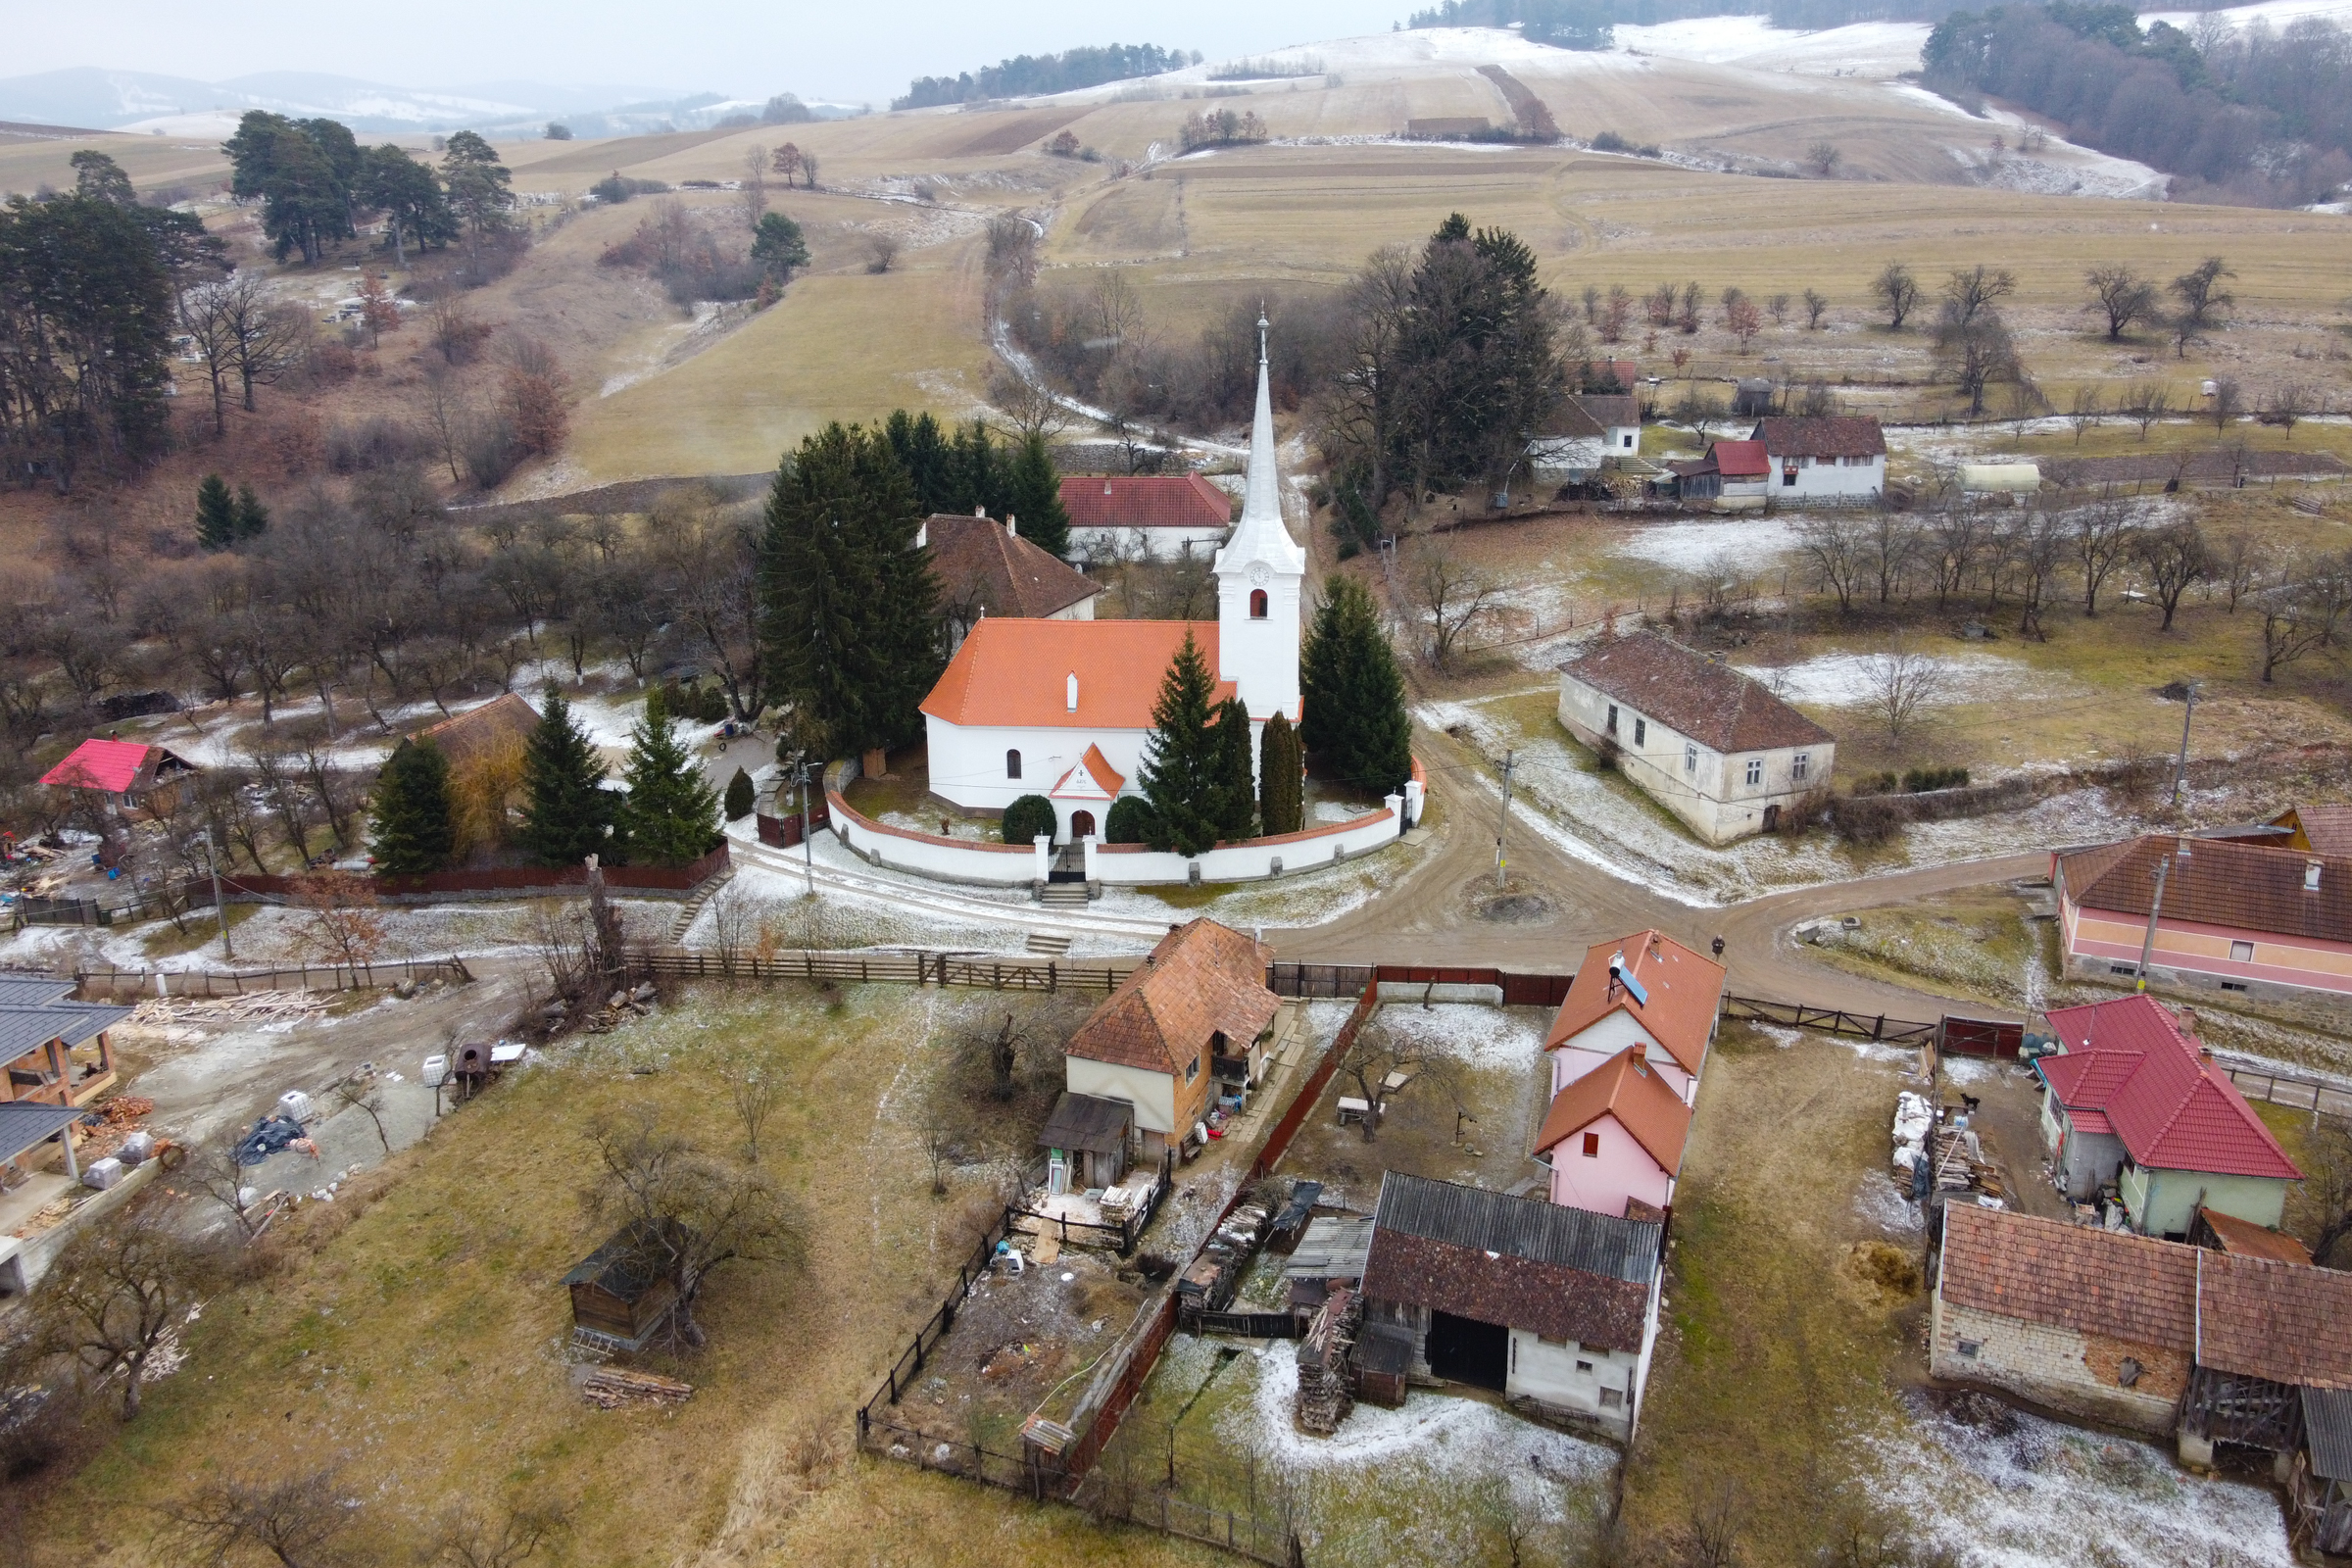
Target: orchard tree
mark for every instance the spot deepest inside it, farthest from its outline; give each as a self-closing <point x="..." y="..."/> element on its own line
<point x="2122" y="296"/>
<point x="1897" y="291"/>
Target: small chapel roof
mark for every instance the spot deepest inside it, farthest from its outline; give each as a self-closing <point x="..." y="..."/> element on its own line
<point x="1015" y="674"/>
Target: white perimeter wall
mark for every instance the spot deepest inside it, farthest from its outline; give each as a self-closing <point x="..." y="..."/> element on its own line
<point x="1126" y="865"/>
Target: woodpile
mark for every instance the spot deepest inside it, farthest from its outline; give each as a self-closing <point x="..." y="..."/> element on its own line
<point x="1957" y="1164"/>
<point x="611" y="1386"/>
<point x="1326" y="1379"/>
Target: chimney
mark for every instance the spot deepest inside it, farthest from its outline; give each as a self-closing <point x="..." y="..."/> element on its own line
<point x="979" y="510"/>
<point x="1009" y="529"/>
<point x="1073" y="691"/>
<point x="922" y="533"/>
<point x="2311" y="876"/>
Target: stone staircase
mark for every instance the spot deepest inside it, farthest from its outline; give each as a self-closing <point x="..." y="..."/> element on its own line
<point x="1049" y="944"/>
<point x="694" y="906"/>
<point x="1063" y="895"/>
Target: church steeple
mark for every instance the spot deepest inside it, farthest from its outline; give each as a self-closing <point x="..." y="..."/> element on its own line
<point x="1260" y="576"/>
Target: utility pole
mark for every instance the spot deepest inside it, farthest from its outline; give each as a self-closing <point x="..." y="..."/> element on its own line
<point x="1501" y="864"/>
<point x="2181" y="771"/>
<point x="807" y="845"/>
<point x="212" y="862"/>
<point x="2147" y="943"/>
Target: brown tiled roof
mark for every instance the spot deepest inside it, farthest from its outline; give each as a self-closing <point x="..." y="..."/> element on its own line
<point x="505" y="719"/>
<point x="984" y="568"/>
<point x="1606" y="409"/>
<point x="2326" y="829"/>
<point x="1623" y="1088"/>
<point x="1712" y="702"/>
<point x="1144" y="501"/>
<point x="1837" y="435"/>
<point x="2070" y="1276"/>
<point x="2224" y="882"/>
<point x="1203" y="979"/>
<point x="2263" y="1318"/>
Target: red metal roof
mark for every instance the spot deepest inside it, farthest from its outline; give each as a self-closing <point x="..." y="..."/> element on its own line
<point x="2132" y="1061"/>
<point x="1144" y="501"/>
<point x="109" y="765"/>
<point x="1740" y="460"/>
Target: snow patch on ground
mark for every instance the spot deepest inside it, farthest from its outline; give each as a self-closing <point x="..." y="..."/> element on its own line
<point x="1688" y="545"/>
<point x="1874" y="51"/>
<point x="1878" y="1202"/>
<point x="1475" y="1036"/>
<point x="1845" y="680"/>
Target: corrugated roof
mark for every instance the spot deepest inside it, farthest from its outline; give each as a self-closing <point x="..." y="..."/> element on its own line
<point x="983" y="567"/>
<point x="25" y="1123"/>
<point x="1202" y="980"/>
<point x="2248" y="1240"/>
<point x="24" y="1028"/>
<point x="1623" y="1088"/>
<point x="1015" y="674"/>
<point x="1144" y="501"/>
<point x="1334" y="1248"/>
<point x="2260" y="1317"/>
<point x="1838" y="435"/>
<point x="1712" y="702"/>
<point x="1685" y="987"/>
<point x="2076" y="1277"/>
<point x="2328" y="1432"/>
<point x="2174" y="1111"/>
<point x="1531" y="1228"/>
<point x="2226" y="882"/>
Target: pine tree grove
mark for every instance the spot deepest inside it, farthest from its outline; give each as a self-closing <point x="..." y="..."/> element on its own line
<point x="670" y="814"/>
<point x="1281" y="807"/>
<point x="566" y="813"/>
<point x="1354" y="723"/>
<point x="1236" y="797"/>
<point x="411" y="832"/>
<point x="1035" y="497"/>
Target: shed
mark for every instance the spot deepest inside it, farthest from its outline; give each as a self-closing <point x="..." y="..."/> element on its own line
<point x="1999" y="478"/>
<point x="1332" y="1252"/>
<point x="1088" y="1137"/>
<point x="620" y="1294"/>
<point x="2320" y="1486"/>
<point x="129" y="775"/>
<point x="1751" y="397"/>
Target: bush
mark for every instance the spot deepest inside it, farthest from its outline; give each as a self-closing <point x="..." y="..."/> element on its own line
<point x="1867" y="818"/>
<point x="740" y="799"/>
<point x="1607" y="753"/>
<point x="372" y="443"/>
<point x="1919" y="780"/>
<point x="1608" y="141"/>
<point x="1130" y="820"/>
<point x="1029" y="816"/>
<point x="490" y="452"/>
<point x="695" y="703"/>
<point x="620" y="187"/>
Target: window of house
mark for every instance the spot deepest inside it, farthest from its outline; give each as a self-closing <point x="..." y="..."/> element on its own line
<point x="1628" y="443"/>
<point x="1970" y="1348"/>
<point x="1557" y="1344"/>
<point x="1690" y="759"/>
<point x="1013" y="764"/>
<point x="1799" y="766"/>
<point x="1755" y="770"/>
<point x="1788" y="474"/>
<point x="1192" y="1070"/>
<point x="1612" y="1398"/>
<point x="1611" y="725"/>
<point x="2241" y="952"/>
<point x="2234" y="985"/>
<point x="1257" y="604"/>
<point x="2121" y="968"/>
<point x="1584" y="1368"/>
<point x="1641" y="730"/>
<point x="1591" y="1146"/>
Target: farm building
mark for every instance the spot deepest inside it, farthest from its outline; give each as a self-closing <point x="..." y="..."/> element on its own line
<point x="129" y="778"/>
<point x="1834" y="457"/>
<point x="2321" y="829"/>
<point x="1646" y="992"/>
<point x="620" y="1296"/>
<point x="986" y="569"/>
<point x="2259" y="918"/>
<point x="1551" y="1307"/>
<point x="57" y="1051"/>
<point x="1733" y="476"/>
<point x="1330" y="1254"/>
<point x="2226" y="1233"/>
<point x="1086" y="1141"/>
<point x="1145" y="516"/>
<point x="1586" y="432"/>
<point x="2134" y="1102"/>
<point x="1706" y="742"/>
<point x="481" y="734"/>
<point x="1155" y="1043"/>
<point x="1614" y="1139"/>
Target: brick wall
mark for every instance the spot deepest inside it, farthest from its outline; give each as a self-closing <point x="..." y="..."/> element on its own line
<point x="2059" y="1369"/>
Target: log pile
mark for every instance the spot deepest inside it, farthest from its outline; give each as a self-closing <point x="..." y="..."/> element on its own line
<point x="611" y="1386"/>
<point x="1326" y="1376"/>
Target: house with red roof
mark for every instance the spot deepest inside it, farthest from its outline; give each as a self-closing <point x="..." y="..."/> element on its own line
<point x="1614" y="1139"/>
<point x="2258" y="916"/>
<point x="131" y="776"/>
<point x="1733" y="477"/>
<point x="1646" y="992"/>
<point x="2134" y="1101"/>
<point x="1157" y="516"/>
<point x="1064" y="707"/>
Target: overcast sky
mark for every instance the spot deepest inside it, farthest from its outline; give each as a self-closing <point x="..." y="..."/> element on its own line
<point x="743" y="48"/>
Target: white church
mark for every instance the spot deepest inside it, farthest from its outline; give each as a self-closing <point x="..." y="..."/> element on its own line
<point x="1064" y="707"/>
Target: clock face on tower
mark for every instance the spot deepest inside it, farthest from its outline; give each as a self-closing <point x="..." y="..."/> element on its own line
<point x="1260" y="573"/>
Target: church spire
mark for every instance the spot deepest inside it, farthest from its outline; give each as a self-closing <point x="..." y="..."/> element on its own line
<point x="1261" y="535"/>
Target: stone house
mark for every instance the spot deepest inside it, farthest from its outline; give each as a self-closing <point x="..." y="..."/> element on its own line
<point x="1709" y="744"/>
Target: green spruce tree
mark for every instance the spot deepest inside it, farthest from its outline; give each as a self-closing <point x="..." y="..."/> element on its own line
<point x="980" y="476"/>
<point x="1355" y="724"/>
<point x="1035" y="498"/>
<point x="741" y="797"/>
<point x="1280" y="806"/>
<point x="670" y="814"/>
<point x="410" y="831"/>
<point x="848" y="621"/>
<point x="567" y="811"/>
<point x="215" y="514"/>
<point x="253" y="518"/>
<point x="923" y="451"/>
<point x="1180" y="774"/>
<point x="1235" y="797"/>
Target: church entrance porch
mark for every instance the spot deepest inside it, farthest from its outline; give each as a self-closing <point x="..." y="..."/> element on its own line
<point x="1082" y="823"/>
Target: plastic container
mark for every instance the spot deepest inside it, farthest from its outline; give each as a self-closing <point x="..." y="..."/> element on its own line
<point x="102" y="1173"/>
<point x="297" y="1105"/>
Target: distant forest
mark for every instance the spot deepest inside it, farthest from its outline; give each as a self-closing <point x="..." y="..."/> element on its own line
<point x="1593" y="23"/>
<point x="2246" y="116"/>
<point x="1027" y="75"/>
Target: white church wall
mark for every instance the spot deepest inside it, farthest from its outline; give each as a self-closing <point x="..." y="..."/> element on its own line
<point x="949" y="859"/>
<point x="967" y="762"/>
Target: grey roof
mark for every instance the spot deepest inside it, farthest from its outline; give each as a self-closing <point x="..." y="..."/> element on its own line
<point x="33" y="990"/>
<point x="2328" y="1430"/>
<point x="1088" y="1122"/>
<point x="1334" y="1248"/>
<point x="25" y="1028"/>
<point x="25" y="1123"/>
<point x="1531" y="1228"/>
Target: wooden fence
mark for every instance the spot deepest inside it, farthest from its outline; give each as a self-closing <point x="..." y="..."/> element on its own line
<point x="1980" y="1037"/>
<point x="1249" y="1325"/>
<point x="1830" y="1020"/>
<point x="1303" y="1105"/>
<point x="2298" y="1091"/>
<point x="915" y="968"/>
<point x="910" y="1365"/>
<point x="93" y="983"/>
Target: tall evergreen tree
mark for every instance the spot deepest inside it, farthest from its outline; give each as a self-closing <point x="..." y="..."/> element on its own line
<point x="1180" y="775"/>
<point x="980" y="473"/>
<point x="215" y="514"/>
<point x="1281" y="806"/>
<point x="1034" y="497"/>
<point x="253" y="518"/>
<point x="567" y="811"/>
<point x="741" y="797"/>
<point x="1233" y="794"/>
<point x="1354" y="723"/>
<point x="670" y="814"/>
<point x="848" y="604"/>
<point x="922" y="449"/>
<point x="411" y="830"/>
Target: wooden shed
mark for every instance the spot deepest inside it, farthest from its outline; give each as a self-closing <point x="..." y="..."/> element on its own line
<point x="619" y="1294"/>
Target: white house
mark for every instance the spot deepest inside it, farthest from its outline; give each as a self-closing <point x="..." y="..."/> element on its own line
<point x="1064" y="707"/>
<point x="1644" y="992"/>
<point x="1840" y="458"/>
<point x="1157" y="517"/>
<point x="1588" y="431"/>
<point x="1709" y="744"/>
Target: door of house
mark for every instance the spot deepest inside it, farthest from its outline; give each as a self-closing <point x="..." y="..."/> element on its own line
<point x="1772" y="819"/>
<point x="1082" y="823"/>
<point x="1465" y="1350"/>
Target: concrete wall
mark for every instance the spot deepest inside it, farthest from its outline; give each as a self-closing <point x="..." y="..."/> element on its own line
<point x="1132" y="865"/>
<point x="1152" y="1094"/>
<point x="1829" y="479"/>
<point x="1566" y="1377"/>
<point x="1710" y="793"/>
<point x="2057" y="1367"/>
<point x="948" y="860"/>
<point x="2163" y="1203"/>
<point x="1602" y="1181"/>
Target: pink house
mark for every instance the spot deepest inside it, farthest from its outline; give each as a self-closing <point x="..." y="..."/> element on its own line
<point x="1614" y="1138"/>
<point x="1645" y="991"/>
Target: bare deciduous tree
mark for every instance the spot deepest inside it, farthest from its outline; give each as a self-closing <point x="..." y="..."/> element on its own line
<point x="882" y="250"/>
<point x="2176" y="559"/>
<point x="467" y="1538"/>
<point x="2084" y="410"/>
<point x="2120" y="295"/>
<point x="115" y="1294"/>
<point x="755" y="1090"/>
<point x="1897" y="290"/>
<point x="1898" y="683"/>
<point x="1452" y="596"/>
<point x="295" y="1520"/>
<point x="2144" y="403"/>
<point x="1835" y="543"/>
<point x="1816" y="305"/>
<point x="2035" y="546"/>
<point x="2102" y="537"/>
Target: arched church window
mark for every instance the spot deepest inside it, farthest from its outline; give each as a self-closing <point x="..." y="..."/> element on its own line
<point x="1257" y="604"/>
<point x="1013" y="764"/>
